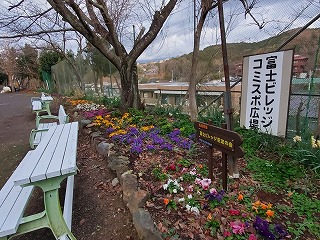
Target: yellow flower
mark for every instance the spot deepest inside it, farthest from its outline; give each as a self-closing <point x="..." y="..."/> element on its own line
<point x="209" y="217"/>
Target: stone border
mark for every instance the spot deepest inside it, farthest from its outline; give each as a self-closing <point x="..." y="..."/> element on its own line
<point x="134" y="197"/>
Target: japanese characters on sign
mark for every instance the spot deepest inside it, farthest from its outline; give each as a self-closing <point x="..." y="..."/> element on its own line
<point x="265" y="89"/>
<point x="222" y="139"/>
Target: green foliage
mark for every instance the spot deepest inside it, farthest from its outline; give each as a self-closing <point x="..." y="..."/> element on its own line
<point x="187" y="177"/>
<point x="274" y="175"/>
<point x="185" y="162"/>
<point x="158" y="174"/>
<point x="3" y="77"/>
<point x="215" y="115"/>
<point x="305" y="206"/>
<point x="171" y="233"/>
<point x="111" y="102"/>
<point x="48" y="59"/>
<point x="213" y="226"/>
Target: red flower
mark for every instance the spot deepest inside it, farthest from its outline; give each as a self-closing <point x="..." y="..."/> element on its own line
<point x="172" y="167"/>
<point x="234" y="212"/>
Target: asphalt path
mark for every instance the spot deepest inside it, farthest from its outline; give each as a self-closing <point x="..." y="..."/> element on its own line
<point x="16" y="122"/>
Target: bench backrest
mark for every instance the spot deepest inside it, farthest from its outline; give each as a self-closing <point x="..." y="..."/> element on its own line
<point x="63" y="117"/>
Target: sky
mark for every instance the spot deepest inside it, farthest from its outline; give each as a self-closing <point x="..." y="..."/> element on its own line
<point x="176" y="37"/>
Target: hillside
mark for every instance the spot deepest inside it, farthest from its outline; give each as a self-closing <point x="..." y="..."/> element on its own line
<point x="210" y="58"/>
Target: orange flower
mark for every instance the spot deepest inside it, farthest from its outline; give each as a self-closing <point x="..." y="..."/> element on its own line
<point x="269" y="213"/>
<point x="200" y="166"/>
<point x="166" y="201"/>
<point x="209" y="217"/>
<point x="240" y="197"/>
<point x="263" y="206"/>
<point x="256" y="204"/>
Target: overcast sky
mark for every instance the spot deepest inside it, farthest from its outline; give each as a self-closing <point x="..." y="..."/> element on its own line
<point x="176" y="38"/>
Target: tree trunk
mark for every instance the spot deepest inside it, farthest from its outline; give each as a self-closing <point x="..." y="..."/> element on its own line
<point x="129" y="83"/>
<point x="206" y="6"/>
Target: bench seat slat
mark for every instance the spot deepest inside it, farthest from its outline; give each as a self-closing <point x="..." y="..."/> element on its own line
<point x="13" y="216"/>
<point x="57" y="158"/>
<point x="13" y="200"/>
<point x="39" y="172"/>
<point x="71" y="151"/>
<point x="40" y="135"/>
<point x="24" y="176"/>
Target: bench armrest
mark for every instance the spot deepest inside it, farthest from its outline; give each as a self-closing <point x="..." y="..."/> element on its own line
<point x="39" y="118"/>
<point x="33" y="135"/>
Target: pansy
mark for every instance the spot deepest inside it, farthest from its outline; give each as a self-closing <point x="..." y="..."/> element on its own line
<point x="205" y="183"/>
<point x="238" y="227"/>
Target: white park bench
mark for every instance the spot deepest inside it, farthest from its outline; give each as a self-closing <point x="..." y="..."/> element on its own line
<point x="41" y="104"/>
<point x="46" y="167"/>
<point x="41" y="128"/>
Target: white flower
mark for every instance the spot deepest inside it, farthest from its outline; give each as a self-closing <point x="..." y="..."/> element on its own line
<point x="181" y="200"/>
<point x="181" y="189"/>
<point x="297" y="139"/>
<point x="174" y="191"/>
<point x="188" y="207"/>
<point x="195" y="210"/>
<point x="189" y="196"/>
<point x="170" y="114"/>
<point x="165" y="186"/>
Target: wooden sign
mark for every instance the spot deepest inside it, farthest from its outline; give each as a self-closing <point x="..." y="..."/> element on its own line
<point x="222" y="139"/>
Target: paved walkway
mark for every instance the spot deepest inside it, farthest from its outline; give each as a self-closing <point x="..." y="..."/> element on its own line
<point x="16" y="122"/>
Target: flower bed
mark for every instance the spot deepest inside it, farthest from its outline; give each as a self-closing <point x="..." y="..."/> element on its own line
<point x="184" y="202"/>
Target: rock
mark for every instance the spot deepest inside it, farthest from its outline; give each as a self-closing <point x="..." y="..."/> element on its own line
<point x="138" y="200"/>
<point x="84" y="122"/>
<point x="103" y="148"/>
<point x="119" y="164"/>
<point x="115" y="182"/>
<point x="94" y="135"/>
<point x="129" y="186"/>
<point x="144" y="225"/>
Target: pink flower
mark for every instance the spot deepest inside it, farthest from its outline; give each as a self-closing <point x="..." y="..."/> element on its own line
<point x="197" y="181"/>
<point x="213" y="191"/>
<point x="238" y="227"/>
<point x="190" y="188"/>
<point x="252" y="237"/>
<point x="205" y="183"/>
<point x="184" y="170"/>
<point x="227" y="234"/>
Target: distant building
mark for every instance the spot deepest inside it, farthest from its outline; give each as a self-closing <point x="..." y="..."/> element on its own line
<point x="299" y="66"/>
<point x="174" y="93"/>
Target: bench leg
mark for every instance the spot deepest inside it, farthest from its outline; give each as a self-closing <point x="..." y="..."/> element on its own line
<point x="53" y="217"/>
<point x="47" y="107"/>
<point x="54" y="214"/>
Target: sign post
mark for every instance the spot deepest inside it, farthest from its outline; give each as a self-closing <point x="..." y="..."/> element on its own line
<point x="227" y="141"/>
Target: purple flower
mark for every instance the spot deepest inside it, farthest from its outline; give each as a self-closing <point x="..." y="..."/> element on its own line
<point x="109" y="130"/>
<point x="218" y="196"/>
<point x="280" y="231"/>
<point x="262" y="228"/>
<point x="150" y="147"/>
<point x="136" y="149"/>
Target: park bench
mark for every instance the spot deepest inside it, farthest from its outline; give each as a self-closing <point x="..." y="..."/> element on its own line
<point x="46" y="167"/>
<point x="41" y="128"/>
<point x="41" y="104"/>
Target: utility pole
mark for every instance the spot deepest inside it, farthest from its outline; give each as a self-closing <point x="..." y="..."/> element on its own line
<point x="228" y="111"/>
